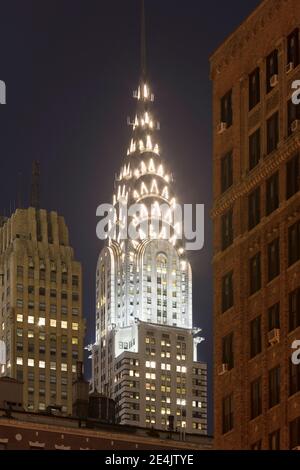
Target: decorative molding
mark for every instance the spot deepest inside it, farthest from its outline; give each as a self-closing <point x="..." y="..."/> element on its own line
<point x="266" y="166"/>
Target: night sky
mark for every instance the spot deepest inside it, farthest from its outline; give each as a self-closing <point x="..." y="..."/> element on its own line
<point x="70" y="67"/>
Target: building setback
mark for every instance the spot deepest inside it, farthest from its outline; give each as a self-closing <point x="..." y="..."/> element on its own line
<point x="41" y="324"/>
<point x="256" y="216"/>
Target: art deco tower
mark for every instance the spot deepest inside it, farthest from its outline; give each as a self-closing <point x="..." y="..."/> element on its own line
<point x="41" y="324"/>
<point x="145" y="354"/>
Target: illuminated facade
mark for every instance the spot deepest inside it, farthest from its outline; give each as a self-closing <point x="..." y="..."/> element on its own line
<point x="41" y="320"/>
<point x="145" y="354"/>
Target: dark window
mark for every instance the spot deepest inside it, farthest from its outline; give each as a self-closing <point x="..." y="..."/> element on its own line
<point x="255" y="274"/>
<point x="294" y="378"/>
<point x="256" y="398"/>
<point x="292" y="176"/>
<point x="227" y="291"/>
<point x="254" y="208"/>
<point x="295" y="433"/>
<point x="272" y="68"/>
<point x="292" y="115"/>
<point x="227" y="230"/>
<point x="254" y="149"/>
<point x="226" y="109"/>
<point x="273" y="259"/>
<point x="274" y="386"/>
<point x="293" y="48"/>
<point x="254" y="88"/>
<point x="255" y="336"/>
<point x="294" y="309"/>
<point x="294" y="243"/>
<point x="274" y="317"/>
<point x="272" y="193"/>
<point x="226" y="172"/>
<point x="227" y="351"/>
<point x="272" y="133"/>
<point x="256" y="445"/>
<point x="227" y="412"/>
<point x="274" y="440"/>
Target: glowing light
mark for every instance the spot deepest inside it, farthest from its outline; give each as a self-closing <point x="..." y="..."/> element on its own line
<point x="143" y="167"/>
<point x="135" y="194"/>
<point x="146" y="92"/>
<point x="144" y="189"/>
<point x="156" y="149"/>
<point x="149" y="143"/>
<point x="180" y="251"/>
<point x="160" y="170"/>
<point x="165" y="192"/>
<point x="154" y="188"/>
<point x="151" y="165"/>
<point x="141" y="145"/>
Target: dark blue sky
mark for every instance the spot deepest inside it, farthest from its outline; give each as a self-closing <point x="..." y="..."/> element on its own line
<point x="70" y="67"/>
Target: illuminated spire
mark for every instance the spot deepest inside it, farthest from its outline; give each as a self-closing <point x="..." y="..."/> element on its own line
<point x="143" y="43"/>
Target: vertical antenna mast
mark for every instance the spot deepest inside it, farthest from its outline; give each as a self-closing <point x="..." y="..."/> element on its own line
<point x="35" y="185"/>
<point x="143" y="42"/>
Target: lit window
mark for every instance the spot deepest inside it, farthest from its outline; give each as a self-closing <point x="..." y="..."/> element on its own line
<point x="42" y="321"/>
<point x="74" y="340"/>
<point x="30" y="319"/>
<point x="30" y="334"/>
<point x="52" y="322"/>
<point x="74" y="368"/>
<point x="64" y="367"/>
<point x="30" y="362"/>
<point x="74" y="326"/>
<point x="53" y="365"/>
<point x="19" y="361"/>
<point x="19" y="317"/>
<point x="64" y="324"/>
<point x="42" y="364"/>
<point x="131" y="373"/>
<point x="163" y="411"/>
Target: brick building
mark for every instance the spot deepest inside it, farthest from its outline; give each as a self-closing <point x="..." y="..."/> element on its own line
<point x="256" y="216"/>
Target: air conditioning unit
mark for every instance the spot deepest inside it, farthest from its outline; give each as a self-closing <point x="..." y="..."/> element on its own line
<point x="221" y="127"/>
<point x="289" y="67"/>
<point x="274" y="336"/>
<point x="222" y="369"/>
<point x="295" y="125"/>
<point x="274" y="80"/>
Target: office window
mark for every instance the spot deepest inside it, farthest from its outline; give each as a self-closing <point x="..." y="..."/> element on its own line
<point x="254" y="208"/>
<point x="274" y="317"/>
<point x="256" y="445"/>
<point x="295" y="433"/>
<point x="256" y="406"/>
<point x="227" y="229"/>
<point x="272" y="193"/>
<point x="272" y="69"/>
<point x="227" y="291"/>
<point x="254" y="88"/>
<point x="272" y="133"/>
<point x="293" y="48"/>
<point x="274" y="440"/>
<point x="294" y="309"/>
<point x="227" y="351"/>
<point x="227" y="413"/>
<point x="293" y="114"/>
<point x="273" y="259"/>
<point x="294" y="378"/>
<point x="254" y="149"/>
<point x="294" y="243"/>
<point x="255" y="274"/>
<point x="255" y="336"/>
<point x="293" y="175"/>
<point x="274" y="386"/>
<point x="226" y="172"/>
<point x="226" y="109"/>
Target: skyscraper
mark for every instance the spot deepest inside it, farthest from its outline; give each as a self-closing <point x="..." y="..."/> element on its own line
<point x="41" y="324"/>
<point x="257" y="231"/>
<point x="145" y="354"/>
